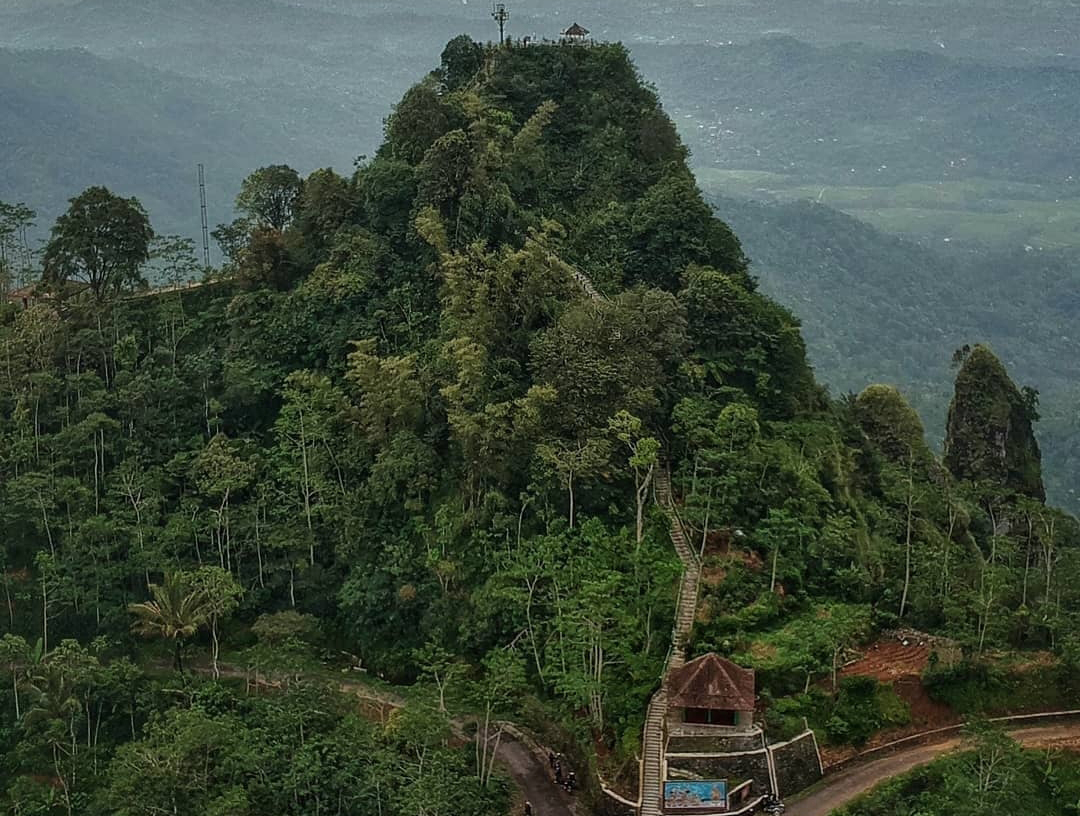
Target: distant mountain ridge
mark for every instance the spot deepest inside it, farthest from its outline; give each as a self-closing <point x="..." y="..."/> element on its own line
<point x="852" y="114"/>
<point x="73" y="120"/>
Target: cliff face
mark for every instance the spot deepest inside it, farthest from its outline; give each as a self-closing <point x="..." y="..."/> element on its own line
<point x="989" y="435"/>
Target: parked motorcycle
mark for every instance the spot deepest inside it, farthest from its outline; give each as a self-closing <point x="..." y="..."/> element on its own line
<point x="772" y="805"/>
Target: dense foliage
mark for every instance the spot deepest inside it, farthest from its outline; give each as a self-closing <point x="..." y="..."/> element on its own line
<point x="417" y="417"/>
<point x="909" y="149"/>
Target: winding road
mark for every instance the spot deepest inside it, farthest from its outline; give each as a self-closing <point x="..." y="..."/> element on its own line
<point x="838" y="789"/>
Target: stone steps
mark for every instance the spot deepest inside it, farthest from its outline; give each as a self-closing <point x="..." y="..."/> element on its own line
<point x="652" y="771"/>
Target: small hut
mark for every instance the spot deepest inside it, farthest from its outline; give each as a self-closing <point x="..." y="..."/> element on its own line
<point x="576" y="34"/>
<point x="24" y="297"/>
<point x="712" y="691"/>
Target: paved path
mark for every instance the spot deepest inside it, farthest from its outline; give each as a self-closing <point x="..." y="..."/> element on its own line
<point x="533" y="778"/>
<point x="844" y="786"/>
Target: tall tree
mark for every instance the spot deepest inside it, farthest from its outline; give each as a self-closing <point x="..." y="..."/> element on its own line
<point x="644" y="455"/>
<point x="15" y="253"/>
<point x="222" y="595"/>
<point x="14" y="651"/>
<point x="270" y="195"/>
<point x="102" y="241"/>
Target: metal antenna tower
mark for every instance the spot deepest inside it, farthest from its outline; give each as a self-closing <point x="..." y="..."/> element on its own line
<point x="500" y="15"/>
<point x="205" y="231"/>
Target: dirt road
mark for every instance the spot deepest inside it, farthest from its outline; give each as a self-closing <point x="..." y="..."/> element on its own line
<point x="846" y="785"/>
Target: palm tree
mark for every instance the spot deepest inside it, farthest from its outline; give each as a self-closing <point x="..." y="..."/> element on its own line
<point x="52" y="715"/>
<point x="175" y="612"/>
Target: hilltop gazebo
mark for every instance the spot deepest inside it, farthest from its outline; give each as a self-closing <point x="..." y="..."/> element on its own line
<point x="576" y="34"/>
<point x="711" y="691"/>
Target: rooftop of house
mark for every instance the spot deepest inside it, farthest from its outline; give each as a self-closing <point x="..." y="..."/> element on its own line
<point x="711" y="681"/>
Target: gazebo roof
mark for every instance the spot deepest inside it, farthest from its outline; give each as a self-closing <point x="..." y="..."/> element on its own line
<point x="710" y="681"/>
<point x="576" y="31"/>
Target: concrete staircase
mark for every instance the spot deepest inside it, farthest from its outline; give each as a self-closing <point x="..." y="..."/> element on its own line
<point x="652" y="765"/>
<point x="586" y="284"/>
<point x="652" y="771"/>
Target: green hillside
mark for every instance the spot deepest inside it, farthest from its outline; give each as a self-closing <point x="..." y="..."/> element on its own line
<point x="877" y="116"/>
<point x="414" y="426"/>
<point x="935" y="148"/>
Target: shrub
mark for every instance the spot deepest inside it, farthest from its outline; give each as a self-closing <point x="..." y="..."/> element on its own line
<point x="864" y="706"/>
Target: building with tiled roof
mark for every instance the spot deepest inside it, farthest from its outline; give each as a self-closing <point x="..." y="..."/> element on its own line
<point x="712" y="690"/>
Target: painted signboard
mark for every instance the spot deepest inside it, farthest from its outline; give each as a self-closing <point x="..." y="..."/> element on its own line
<point x="695" y="794"/>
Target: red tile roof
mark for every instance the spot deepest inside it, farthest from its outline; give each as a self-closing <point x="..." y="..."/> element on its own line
<point x="710" y="681"/>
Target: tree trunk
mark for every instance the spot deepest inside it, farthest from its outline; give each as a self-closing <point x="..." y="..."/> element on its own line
<point x="44" y="616"/>
<point x="531" y="584"/>
<point x="258" y="547"/>
<point x="907" y="537"/>
<point x="570" y="489"/>
<point x="62" y="778"/>
<point x="307" y="489"/>
<point x="7" y="601"/>
<point x="214" y="646"/>
<point x="642" y="493"/>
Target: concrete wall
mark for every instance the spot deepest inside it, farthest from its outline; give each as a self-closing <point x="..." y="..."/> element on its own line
<point x="786" y="768"/>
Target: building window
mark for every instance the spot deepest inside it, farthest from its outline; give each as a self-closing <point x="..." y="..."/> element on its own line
<point x="710" y="716"/>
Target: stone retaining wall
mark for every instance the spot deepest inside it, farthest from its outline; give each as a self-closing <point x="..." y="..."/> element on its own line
<point x="753" y="765"/>
<point x="786" y="768"/>
<point x="733" y="743"/>
<point x="797" y="764"/>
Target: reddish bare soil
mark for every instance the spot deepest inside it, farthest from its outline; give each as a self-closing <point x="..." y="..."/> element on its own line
<point x="898" y="658"/>
<point x="889" y="658"/>
<point x="901" y="660"/>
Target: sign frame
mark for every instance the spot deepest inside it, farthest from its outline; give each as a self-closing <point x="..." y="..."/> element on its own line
<point x="695" y="794"/>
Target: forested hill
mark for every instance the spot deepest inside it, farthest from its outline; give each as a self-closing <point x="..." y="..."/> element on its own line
<point x="416" y="418"/>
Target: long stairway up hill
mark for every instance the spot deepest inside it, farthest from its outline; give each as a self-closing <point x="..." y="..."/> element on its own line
<point x="652" y="777"/>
